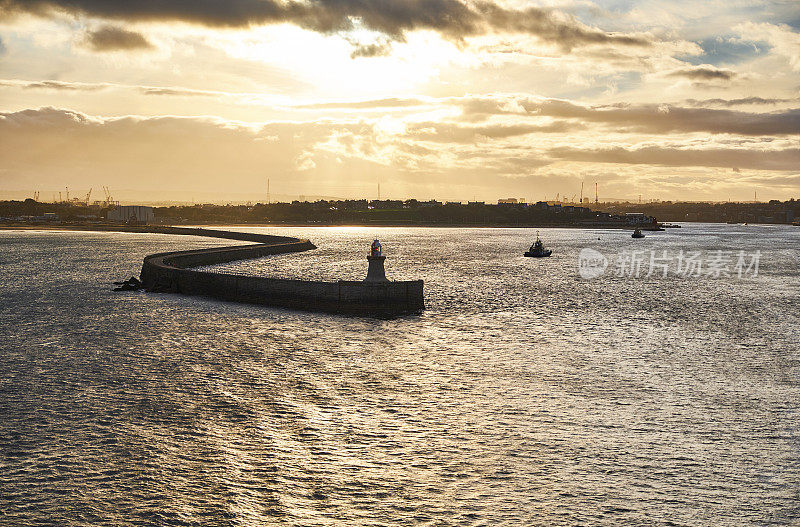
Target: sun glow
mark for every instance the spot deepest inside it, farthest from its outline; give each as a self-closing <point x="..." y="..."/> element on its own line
<point x="329" y="62"/>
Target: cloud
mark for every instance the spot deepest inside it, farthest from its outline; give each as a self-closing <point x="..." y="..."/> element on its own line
<point x="51" y="147"/>
<point x="744" y="101"/>
<point x="3" y="49"/>
<point x="553" y="27"/>
<point x="703" y="73"/>
<point x="379" y="48"/>
<point x="719" y="50"/>
<point x="644" y="118"/>
<point x="156" y="152"/>
<point x="451" y="18"/>
<point x="453" y="133"/>
<point x="112" y="38"/>
<point x="693" y="116"/>
<point x="392" y="102"/>
<point x="98" y="86"/>
<point x="54" y="85"/>
<point x="783" y="40"/>
<point x="177" y="92"/>
<point x="785" y="159"/>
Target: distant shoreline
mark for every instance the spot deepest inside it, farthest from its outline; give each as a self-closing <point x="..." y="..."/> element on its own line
<point x="154" y="228"/>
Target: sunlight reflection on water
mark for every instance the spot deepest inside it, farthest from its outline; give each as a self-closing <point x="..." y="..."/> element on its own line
<point x="523" y="395"/>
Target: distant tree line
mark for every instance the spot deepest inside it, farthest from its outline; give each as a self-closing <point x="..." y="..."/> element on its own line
<point x="65" y="211"/>
<point x="756" y="212"/>
<point x="362" y="212"/>
<point x="413" y="212"/>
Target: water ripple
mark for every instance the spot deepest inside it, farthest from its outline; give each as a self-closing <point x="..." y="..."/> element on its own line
<point x="523" y="395"/>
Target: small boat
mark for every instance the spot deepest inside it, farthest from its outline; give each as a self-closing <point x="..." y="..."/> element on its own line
<point x="537" y="250"/>
<point x="637" y="233"/>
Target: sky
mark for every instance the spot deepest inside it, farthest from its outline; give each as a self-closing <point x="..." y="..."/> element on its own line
<point x="207" y="100"/>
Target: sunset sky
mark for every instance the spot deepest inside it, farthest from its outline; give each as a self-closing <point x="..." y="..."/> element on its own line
<point x="205" y="100"/>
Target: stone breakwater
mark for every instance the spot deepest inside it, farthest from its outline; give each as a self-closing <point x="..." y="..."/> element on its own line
<point x="172" y="273"/>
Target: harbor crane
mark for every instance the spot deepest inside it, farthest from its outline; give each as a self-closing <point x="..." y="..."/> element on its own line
<point x="109" y="200"/>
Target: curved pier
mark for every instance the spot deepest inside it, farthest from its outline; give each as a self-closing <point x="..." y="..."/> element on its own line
<point x="171" y="273"/>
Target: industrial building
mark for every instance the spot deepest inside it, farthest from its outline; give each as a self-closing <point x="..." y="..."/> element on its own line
<point x="132" y="214"/>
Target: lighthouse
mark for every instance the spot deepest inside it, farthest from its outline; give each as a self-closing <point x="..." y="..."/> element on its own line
<point x="376" y="272"/>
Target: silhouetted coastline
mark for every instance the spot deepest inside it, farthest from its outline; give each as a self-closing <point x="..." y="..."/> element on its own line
<point x="395" y="213"/>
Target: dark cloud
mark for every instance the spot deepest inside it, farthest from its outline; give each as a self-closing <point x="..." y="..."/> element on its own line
<point x="375" y="49"/>
<point x="786" y="159"/>
<point x="663" y="119"/>
<point x="648" y="118"/>
<point x="451" y="18"/>
<point x="744" y="101"/>
<point x="642" y="118"/>
<point x="111" y="38"/>
<point x="552" y="27"/>
<point x="704" y="73"/>
<point x="3" y="48"/>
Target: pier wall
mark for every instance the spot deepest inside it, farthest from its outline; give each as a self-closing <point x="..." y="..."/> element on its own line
<point x="172" y="273"/>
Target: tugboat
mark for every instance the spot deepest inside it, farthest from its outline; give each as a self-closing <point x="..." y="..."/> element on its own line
<point x="637" y="233"/>
<point x="537" y="250"/>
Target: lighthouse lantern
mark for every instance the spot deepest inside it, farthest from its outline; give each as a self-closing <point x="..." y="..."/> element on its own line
<point x="376" y="272"/>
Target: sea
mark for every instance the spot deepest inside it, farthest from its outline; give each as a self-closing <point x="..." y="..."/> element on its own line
<point x="619" y="382"/>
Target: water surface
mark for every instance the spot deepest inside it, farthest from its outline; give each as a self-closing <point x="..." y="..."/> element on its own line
<point x="523" y="395"/>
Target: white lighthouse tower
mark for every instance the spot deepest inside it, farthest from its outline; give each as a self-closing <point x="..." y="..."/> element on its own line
<point x="376" y="272"/>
